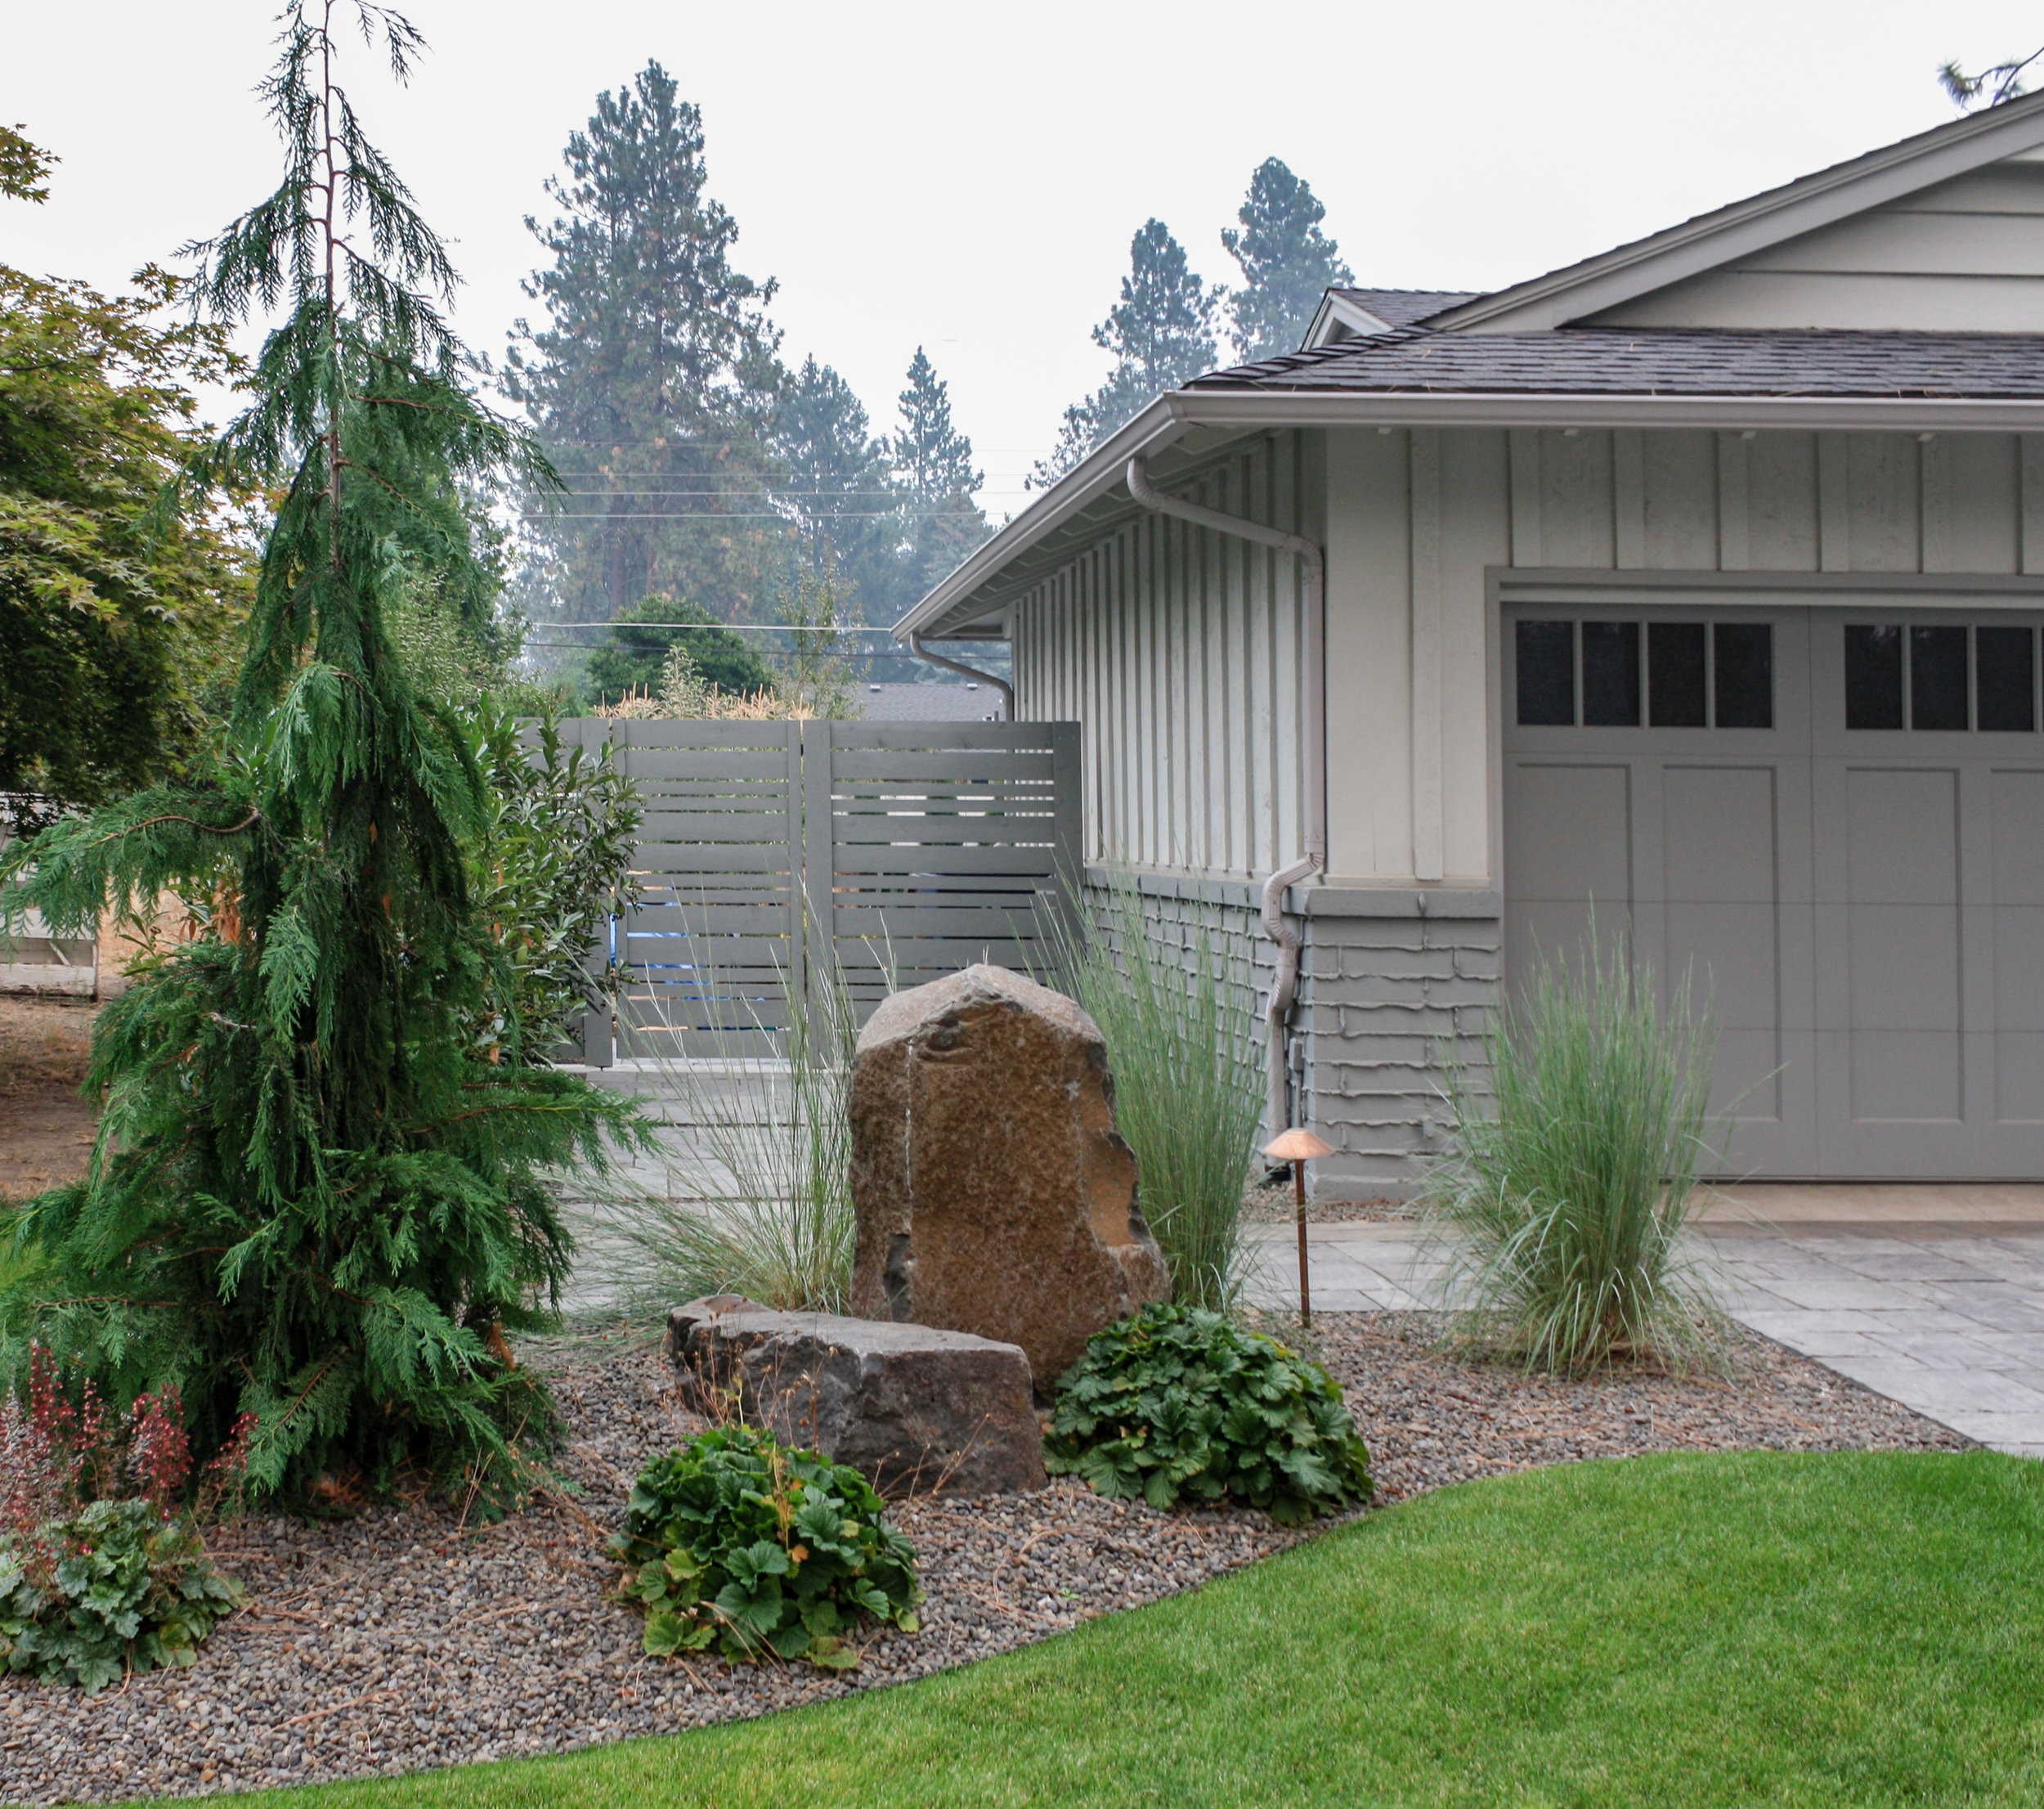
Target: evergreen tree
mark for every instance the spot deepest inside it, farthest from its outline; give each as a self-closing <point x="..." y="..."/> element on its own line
<point x="1161" y="335"/>
<point x="839" y="489"/>
<point x="933" y="466"/>
<point x="315" y="1192"/>
<point x="1287" y="263"/>
<point x="653" y="385"/>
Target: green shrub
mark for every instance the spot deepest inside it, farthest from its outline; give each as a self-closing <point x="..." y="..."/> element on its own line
<point x="102" y="1567"/>
<point x="1178" y="1403"/>
<point x="737" y="1540"/>
<point x="1188" y="1089"/>
<point x="115" y="1588"/>
<point x="550" y="862"/>
<point x="1573" y="1170"/>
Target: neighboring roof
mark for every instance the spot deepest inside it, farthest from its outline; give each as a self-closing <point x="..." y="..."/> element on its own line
<point x="1710" y="239"/>
<point x="1345" y="312"/>
<point x="929" y="703"/>
<point x="1658" y="362"/>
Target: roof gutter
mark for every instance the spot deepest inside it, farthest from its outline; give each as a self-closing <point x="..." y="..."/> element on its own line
<point x="1000" y="685"/>
<point x="1266" y="407"/>
<point x="1099" y="472"/>
<point x="1313" y="571"/>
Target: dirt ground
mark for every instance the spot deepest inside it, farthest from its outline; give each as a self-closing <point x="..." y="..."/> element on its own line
<point x="46" y="1129"/>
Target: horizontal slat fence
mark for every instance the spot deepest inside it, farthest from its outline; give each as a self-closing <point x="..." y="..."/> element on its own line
<point x="909" y="849"/>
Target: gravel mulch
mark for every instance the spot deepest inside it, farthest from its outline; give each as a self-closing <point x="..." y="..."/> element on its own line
<point x="1431" y="1420"/>
<point x="398" y="1641"/>
<point x="1275" y="1204"/>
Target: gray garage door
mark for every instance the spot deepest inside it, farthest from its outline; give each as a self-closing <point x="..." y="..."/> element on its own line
<point x="1836" y="819"/>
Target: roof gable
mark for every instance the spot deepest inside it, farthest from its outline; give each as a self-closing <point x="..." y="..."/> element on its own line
<point x="1830" y="245"/>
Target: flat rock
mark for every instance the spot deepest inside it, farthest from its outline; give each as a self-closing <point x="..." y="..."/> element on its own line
<point x="992" y="1194"/>
<point x="915" y="1410"/>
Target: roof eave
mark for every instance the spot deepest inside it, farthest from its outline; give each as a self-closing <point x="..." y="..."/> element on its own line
<point x="1173" y="415"/>
<point x="1405" y="408"/>
<point x="1099" y="472"/>
<point x="1579" y="290"/>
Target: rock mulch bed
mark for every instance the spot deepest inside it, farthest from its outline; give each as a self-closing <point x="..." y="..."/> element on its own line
<point x="1276" y="1204"/>
<point x="397" y="1640"/>
<point x="1430" y="1420"/>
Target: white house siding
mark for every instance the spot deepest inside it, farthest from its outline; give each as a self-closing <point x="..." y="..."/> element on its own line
<point x="1966" y="255"/>
<point x="1176" y="650"/>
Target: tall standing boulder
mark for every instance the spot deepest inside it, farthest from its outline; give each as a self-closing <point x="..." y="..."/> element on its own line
<point x="992" y="1194"/>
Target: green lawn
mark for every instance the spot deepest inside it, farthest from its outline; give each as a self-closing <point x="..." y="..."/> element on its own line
<point x="1855" y="1629"/>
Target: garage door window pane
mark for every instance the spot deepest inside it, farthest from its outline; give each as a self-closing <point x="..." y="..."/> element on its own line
<point x="1873" y="676"/>
<point x="1938" y="678"/>
<point x="1745" y="660"/>
<point x="1547" y="673"/>
<point x="1674" y="675"/>
<point x="1611" y="674"/>
<point x="2004" y="678"/>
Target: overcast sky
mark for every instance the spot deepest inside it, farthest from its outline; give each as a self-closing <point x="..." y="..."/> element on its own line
<point x="967" y="177"/>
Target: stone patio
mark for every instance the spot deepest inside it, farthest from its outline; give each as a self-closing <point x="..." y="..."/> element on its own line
<point x="1932" y="1296"/>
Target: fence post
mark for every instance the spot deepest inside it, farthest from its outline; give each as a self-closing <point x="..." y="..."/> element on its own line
<point x="819" y="866"/>
<point x="600" y="1047"/>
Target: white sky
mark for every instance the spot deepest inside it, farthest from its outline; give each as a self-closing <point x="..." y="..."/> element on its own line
<point x="968" y="177"/>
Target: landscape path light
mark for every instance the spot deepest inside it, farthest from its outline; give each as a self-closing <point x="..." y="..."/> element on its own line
<point x="1299" y="1146"/>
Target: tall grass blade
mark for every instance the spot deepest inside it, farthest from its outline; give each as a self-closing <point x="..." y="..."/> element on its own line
<point x="753" y="1196"/>
<point x="1574" y="1172"/>
<point x="1182" y="1047"/>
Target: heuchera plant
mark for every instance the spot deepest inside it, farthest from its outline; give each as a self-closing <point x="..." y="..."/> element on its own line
<point x="103" y="1570"/>
<point x="738" y="1540"/>
<point x="1178" y="1403"/>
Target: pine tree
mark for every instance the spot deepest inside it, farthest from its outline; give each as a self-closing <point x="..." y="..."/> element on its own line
<point x="840" y="488"/>
<point x="932" y="465"/>
<point x="652" y="384"/>
<point x="314" y="1197"/>
<point x="1161" y="335"/>
<point x="1287" y="263"/>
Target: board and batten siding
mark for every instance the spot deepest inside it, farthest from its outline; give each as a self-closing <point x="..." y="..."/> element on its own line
<point x="1177" y="651"/>
<point x="1966" y="255"/>
<point x="1417" y="519"/>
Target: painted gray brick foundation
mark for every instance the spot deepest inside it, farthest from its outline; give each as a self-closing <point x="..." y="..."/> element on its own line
<point x="1389" y="981"/>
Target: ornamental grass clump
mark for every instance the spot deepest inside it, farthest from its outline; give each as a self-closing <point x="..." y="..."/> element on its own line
<point x="1181" y="1404"/>
<point x="1574" y="1173"/>
<point x="1188" y="1095"/>
<point x="103" y="1569"/>
<point x="738" y="1542"/>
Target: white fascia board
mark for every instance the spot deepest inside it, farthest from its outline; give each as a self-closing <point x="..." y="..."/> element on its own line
<point x="1245" y="409"/>
<point x="1337" y="315"/>
<point x="1755" y="224"/>
<point x="1099" y="472"/>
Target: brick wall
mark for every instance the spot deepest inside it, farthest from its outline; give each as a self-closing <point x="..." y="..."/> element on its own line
<point x="1389" y="983"/>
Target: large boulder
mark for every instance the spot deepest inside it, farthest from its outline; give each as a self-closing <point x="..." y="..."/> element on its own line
<point x="917" y="1411"/>
<point x="991" y="1193"/>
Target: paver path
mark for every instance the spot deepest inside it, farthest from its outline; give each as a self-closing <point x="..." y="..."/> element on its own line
<point x="1945" y="1314"/>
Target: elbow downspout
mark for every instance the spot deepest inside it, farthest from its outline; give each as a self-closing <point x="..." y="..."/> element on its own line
<point x="1313" y="858"/>
<point x="1000" y="685"/>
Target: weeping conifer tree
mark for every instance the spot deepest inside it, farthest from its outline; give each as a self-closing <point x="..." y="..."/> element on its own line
<point x="314" y="1195"/>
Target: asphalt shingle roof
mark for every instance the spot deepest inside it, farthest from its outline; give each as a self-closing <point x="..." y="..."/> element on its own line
<point x="1687" y="361"/>
<point x="1406" y="307"/>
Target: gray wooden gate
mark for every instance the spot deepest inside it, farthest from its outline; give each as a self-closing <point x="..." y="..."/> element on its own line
<point x="906" y="850"/>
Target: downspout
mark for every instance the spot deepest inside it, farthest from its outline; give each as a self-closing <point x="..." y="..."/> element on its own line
<point x="1313" y="860"/>
<point x="1000" y="685"/>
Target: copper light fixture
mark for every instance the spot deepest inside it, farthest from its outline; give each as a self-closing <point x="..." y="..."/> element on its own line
<point x="1299" y="1146"/>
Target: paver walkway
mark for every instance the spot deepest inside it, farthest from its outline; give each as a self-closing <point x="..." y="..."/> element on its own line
<point x="1933" y="1297"/>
